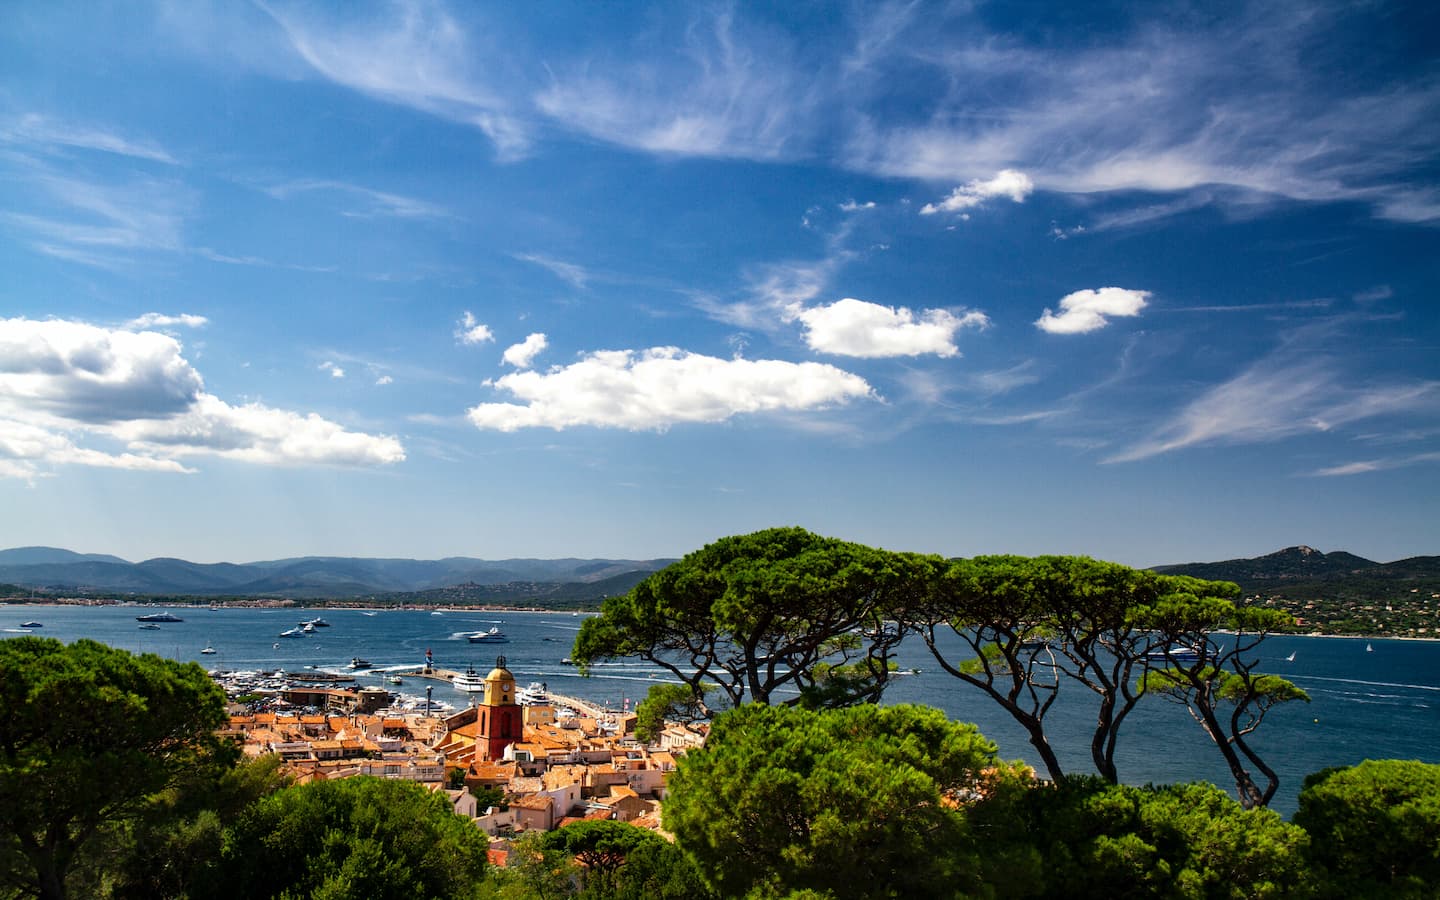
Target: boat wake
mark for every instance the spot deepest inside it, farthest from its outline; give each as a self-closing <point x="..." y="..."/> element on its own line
<point x="1390" y="684"/>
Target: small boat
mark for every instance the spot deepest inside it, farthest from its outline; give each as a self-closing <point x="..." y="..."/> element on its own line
<point x="1368" y="648"/>
<point x="31" y="625"/>
<point x="274" y="646"/>
<point x="395" y="679"/>
<point x="493" y="636"/>
<point x="469" y="681"/>
<point x="316" y="622"/>
<point x="1291" y="657"/>
<point x="307" y="628"/>
<point x="1179" y="655"/>
<point x="159" y="617"/>
<point x="292" y="633"/>
<point x="567" y="661"/>
<point x="367" y="614"/>
<point x="358" y="663"/>
<point x="149" y="626"/>
<point x="209" y="650"/>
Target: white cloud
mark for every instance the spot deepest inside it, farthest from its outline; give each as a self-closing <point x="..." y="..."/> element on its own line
<point x="656" y="388"/>
<point x="1006" y="183"/>
<point x="1086" y="310"/>
<point x="33" y="128"/>
<point x="334" y="370"/>
<point x="1376" y="465"/>
<point x="375" y="203"/>
<point x="471" y="331"/>
<point x="521" y="355"/>
<point x="384" y="380"/>
<point x="419" y="57"/>
<point x="1288" y="393"/>
<point x="851" y="206"/>
<point x="65" y="385"/>
<point x="851" y="327"/>
<point x="574" y="275"/>
<point x="161" y="320"/>
<point x="727" y="92"/>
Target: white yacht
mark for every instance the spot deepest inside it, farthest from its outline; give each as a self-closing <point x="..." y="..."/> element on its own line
<point x="469" y="681"/>
<point x="534" y="694"/>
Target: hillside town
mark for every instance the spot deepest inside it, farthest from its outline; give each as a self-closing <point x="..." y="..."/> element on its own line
<point x="546" y="761"/>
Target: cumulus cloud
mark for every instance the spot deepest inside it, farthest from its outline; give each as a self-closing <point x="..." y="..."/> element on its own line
<point x="160" y="320"/>
<point x="70" y="391"/>
<point x="384" y="380"/>
<point x="851" y="327"/>
<point x="1007" y="183"/>
<point x="659" y="387"/>
<point x="334" y="370"/>
<point x="851" y="206"/>
<point x="521" y="355"/>
<point x="1087" y="310"/>
<point x="472" y="332"/>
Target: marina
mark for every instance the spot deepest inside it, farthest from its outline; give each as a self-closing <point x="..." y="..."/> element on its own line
<point x="1384" y="703"/>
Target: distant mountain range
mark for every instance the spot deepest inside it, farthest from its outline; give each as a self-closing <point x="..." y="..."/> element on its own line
<point x="313" y="576"/>
<point x="1304" y="572"/>
<point x="1296" y="571"/>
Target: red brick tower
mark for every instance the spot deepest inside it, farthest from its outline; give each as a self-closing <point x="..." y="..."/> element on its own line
<point x="499" y="719"/>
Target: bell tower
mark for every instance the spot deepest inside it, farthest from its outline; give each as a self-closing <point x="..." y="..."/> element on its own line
<point x="500" y="721"/>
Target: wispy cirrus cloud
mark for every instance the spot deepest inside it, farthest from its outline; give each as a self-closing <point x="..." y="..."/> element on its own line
<point x="1242" y="103"/>
<point x="651" y="390"/>
<point x="1363" y="467"/>
<point x="36" y="130"/>
<point x="373" y="203"/>
<point x="574" y="275"/>
<point x="1295" y="390"/>
<point x="418" y="56"/>
<point x="728" y="91"/>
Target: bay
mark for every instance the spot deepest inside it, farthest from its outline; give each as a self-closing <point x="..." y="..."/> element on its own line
<point x="1378" y="704"/>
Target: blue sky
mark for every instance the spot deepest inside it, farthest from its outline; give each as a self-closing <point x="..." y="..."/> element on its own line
<point x="425" y="279"/>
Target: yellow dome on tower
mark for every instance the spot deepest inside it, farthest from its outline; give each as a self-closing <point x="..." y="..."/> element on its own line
<point x="500" y="685"/>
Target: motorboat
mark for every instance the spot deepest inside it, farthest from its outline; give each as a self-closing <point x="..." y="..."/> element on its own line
<point x="307" y="628"/>
<point x="1177" y="654"/>
<point x="159" y="617"/>
<point x="209" y="650"/>
<point x="567" y="661"/>
<point x="395" y="679"/>
<point x="31" y="625"/>
<point x="149" y="626"/>
<point x="316" y="622"/>
<point x="358" y="663"/>
<point x="493" y="636"/>
<point x="469" y="681"/>
<point x="293" y="633"/>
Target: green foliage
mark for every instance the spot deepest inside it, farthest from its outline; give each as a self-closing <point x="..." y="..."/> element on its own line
<point x="755" y="614"/>
<point x="358" y="838"/>
<point x="89" y="735"/>
<point x="622" y="862"/>
<point x="861" y="801"/>
<point x="1375" y="828"/>
<point x="487" y="796"/>
<point x="667" y="701"/>
<point x="1114" y="842"/>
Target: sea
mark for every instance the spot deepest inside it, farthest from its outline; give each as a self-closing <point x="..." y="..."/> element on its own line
<point x="1369" y="699"/>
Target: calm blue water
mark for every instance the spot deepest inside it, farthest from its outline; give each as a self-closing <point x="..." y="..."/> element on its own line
<point x="1381" y="704"/>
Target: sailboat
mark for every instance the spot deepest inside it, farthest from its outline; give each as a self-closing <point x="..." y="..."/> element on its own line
<point x="1291" y="657"/>
<point x="1368" y="648"/>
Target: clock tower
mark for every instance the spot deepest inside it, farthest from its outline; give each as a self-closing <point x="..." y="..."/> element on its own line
<point x="499" y="719"/>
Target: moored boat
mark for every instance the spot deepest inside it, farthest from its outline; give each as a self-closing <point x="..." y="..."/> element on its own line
<point x="209" y="650"/>
<point x="31" y="625"/>
<point x="159" y="617"/>
<point x="292" y="633"/>
<point x="469" y="681"/>
<point x="316" y="622"/>
<point x="533" y="694"/>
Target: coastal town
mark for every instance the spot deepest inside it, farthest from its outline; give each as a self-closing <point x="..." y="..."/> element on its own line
<point x="544" y="760"/>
